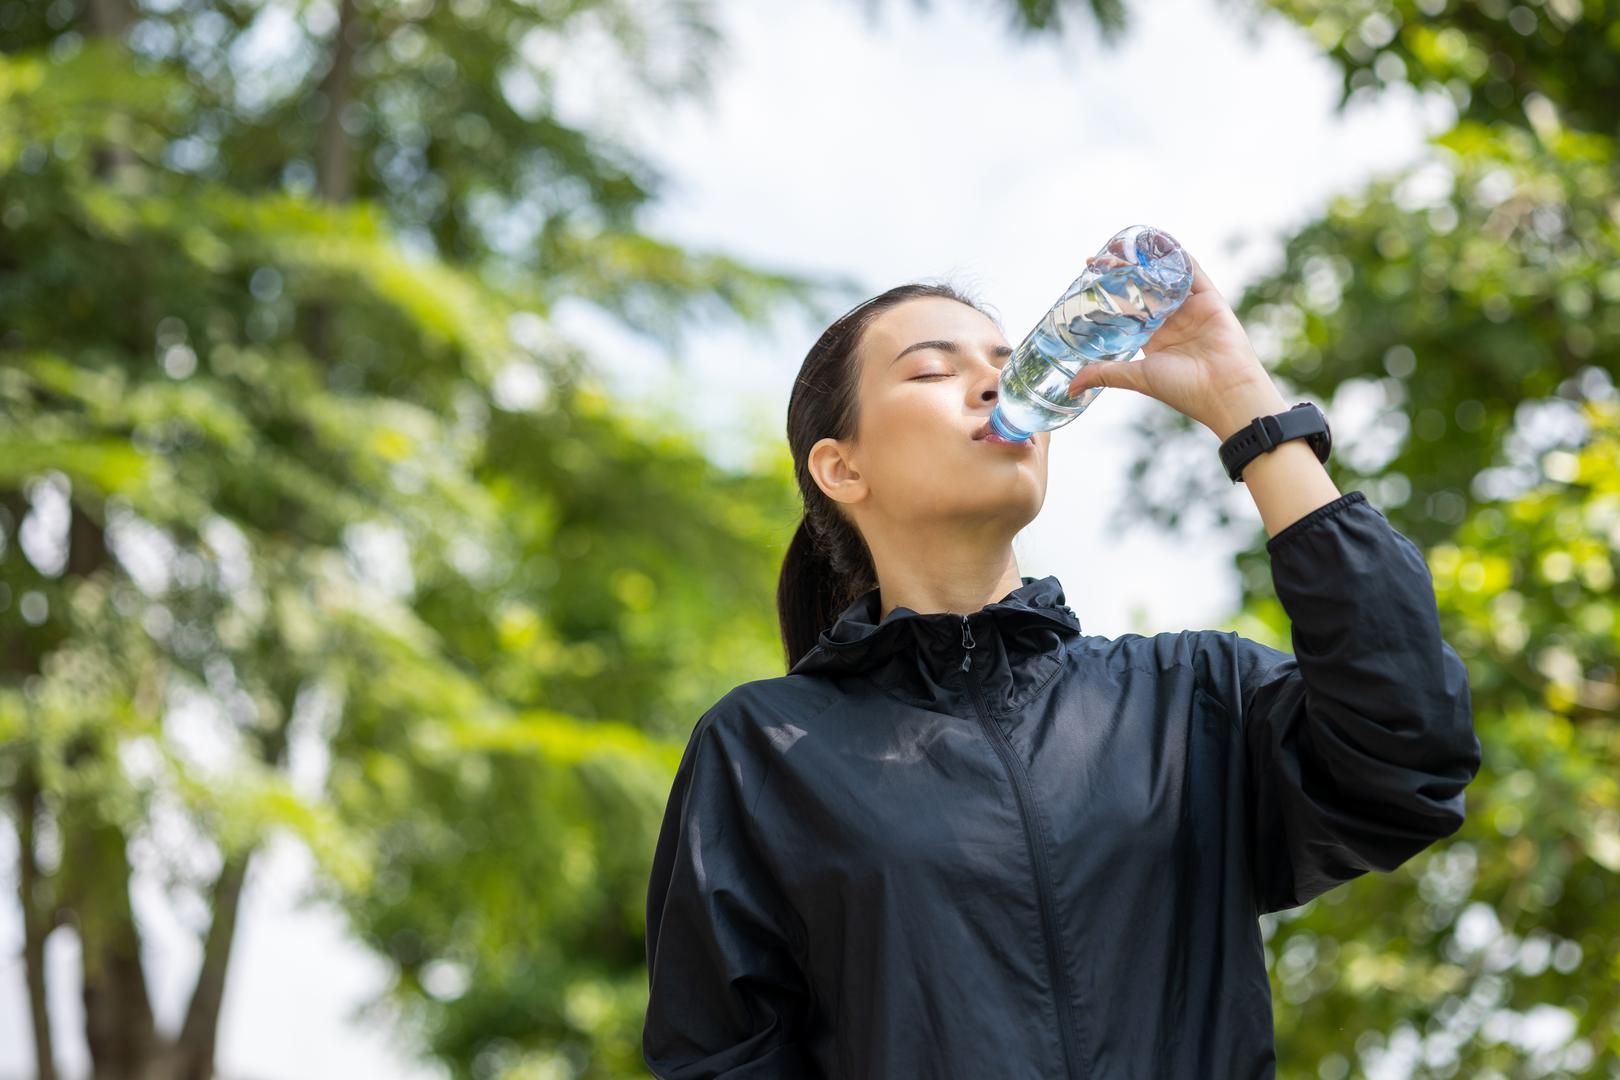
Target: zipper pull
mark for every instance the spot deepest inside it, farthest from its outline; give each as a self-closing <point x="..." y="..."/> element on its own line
<point x="967" y="643"/>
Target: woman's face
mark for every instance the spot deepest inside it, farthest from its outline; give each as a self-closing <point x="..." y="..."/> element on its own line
<point x="913" y="460"/>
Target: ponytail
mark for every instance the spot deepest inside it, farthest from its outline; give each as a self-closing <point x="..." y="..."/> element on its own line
<point x="818" y="580"/>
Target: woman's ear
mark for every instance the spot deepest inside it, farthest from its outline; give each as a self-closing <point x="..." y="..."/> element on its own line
<point x="834" y="472"/>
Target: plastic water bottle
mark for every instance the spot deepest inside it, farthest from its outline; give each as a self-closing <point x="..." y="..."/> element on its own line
<point x="1134" y="283"/>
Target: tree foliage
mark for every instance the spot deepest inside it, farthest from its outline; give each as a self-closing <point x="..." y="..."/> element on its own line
<point x="314" y="525"/>
<point x="1462" y="312"/>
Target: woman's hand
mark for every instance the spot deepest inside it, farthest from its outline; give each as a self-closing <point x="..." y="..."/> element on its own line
<point x="1199" y="362"/>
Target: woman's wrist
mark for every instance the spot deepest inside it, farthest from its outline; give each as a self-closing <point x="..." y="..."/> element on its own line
<point x="1239" y="406"/>
<point x="1287" y="482"/>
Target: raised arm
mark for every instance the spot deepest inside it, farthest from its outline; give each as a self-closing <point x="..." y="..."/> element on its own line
<point x="1359" y="745"/>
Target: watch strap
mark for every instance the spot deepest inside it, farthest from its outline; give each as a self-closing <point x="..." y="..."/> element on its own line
<point x="1265" y="433"/>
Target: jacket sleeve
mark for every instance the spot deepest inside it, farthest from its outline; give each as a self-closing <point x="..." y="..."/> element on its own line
<point x="727" y="997"/>
<point x="1359" y="745"/>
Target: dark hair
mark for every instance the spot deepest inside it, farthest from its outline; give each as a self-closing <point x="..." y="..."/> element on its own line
<point x="828" y="563"/>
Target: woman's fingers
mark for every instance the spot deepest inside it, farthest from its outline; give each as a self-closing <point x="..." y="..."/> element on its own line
<point x="1201" y="281"/>
<point x="1122" y="373"/>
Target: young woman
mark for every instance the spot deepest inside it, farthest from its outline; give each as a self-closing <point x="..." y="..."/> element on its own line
<point x="962" y="839"/>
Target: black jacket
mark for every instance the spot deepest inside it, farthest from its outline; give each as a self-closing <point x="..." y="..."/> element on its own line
<point x="991" y="846"/>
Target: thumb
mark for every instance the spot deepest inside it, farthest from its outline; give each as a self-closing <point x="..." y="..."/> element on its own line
<point x="1121" y="373"/>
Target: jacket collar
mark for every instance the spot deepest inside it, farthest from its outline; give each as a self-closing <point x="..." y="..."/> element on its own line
<point x="858" y="641"/>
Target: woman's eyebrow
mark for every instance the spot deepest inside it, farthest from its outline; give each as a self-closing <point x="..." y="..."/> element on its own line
<point x="950" y="347"/>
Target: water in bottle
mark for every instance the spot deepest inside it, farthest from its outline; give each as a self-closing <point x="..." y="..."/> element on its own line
<point x="1134" y="283"/>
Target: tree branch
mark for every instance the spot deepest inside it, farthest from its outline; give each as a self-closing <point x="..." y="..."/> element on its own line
<point x="195" y="1047"/>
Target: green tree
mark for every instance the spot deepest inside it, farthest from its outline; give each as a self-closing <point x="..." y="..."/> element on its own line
<point x="1466" y="306"/>
<point x="269" y="463"/>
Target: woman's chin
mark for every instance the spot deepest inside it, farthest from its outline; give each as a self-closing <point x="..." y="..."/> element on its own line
<point x="1019" y="498"/>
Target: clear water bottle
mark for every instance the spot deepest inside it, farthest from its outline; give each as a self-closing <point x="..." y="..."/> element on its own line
<point x="1134" y="283"/>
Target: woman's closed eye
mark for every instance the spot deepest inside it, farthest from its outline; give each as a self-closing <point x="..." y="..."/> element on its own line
<point x="935" y="375"/>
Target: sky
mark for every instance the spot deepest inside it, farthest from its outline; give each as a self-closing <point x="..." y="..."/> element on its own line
<point x="904" y="146"/>
<point x="922" y="147"/>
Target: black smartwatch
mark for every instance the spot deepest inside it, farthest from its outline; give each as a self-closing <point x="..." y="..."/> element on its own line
<point x="1265" y="433"/>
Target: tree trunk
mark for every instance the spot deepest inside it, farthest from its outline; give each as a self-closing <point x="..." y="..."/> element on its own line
<point x="36" y="924"/>
<point x="109" y="19"/>
<point x="119" y="1027"/>
<point x="334" y="162"/>
<point x="334" y="159"/>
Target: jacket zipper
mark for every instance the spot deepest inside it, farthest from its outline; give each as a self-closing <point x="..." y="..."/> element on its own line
<point x="1043" y="888"/>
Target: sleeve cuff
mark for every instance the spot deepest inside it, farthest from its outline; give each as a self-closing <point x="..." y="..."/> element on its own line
<point x="1312" y="519"/>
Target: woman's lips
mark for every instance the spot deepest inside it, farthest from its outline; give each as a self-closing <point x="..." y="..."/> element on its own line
<point x="986" y="433"/>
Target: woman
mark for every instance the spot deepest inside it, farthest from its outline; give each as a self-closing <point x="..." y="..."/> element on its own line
<point x="960" y="837"/>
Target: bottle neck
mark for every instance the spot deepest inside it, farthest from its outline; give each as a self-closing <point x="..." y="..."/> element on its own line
<point x="999" y="424"/>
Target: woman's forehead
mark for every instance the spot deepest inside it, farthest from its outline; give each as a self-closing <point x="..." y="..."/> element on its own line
<point x="925" y="318"/>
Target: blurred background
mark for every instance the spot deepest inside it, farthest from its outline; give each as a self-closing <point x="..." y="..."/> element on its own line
<point x="392" y="470"/>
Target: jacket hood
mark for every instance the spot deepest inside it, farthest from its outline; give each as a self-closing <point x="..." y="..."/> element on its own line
<point x="858" y="642"/>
